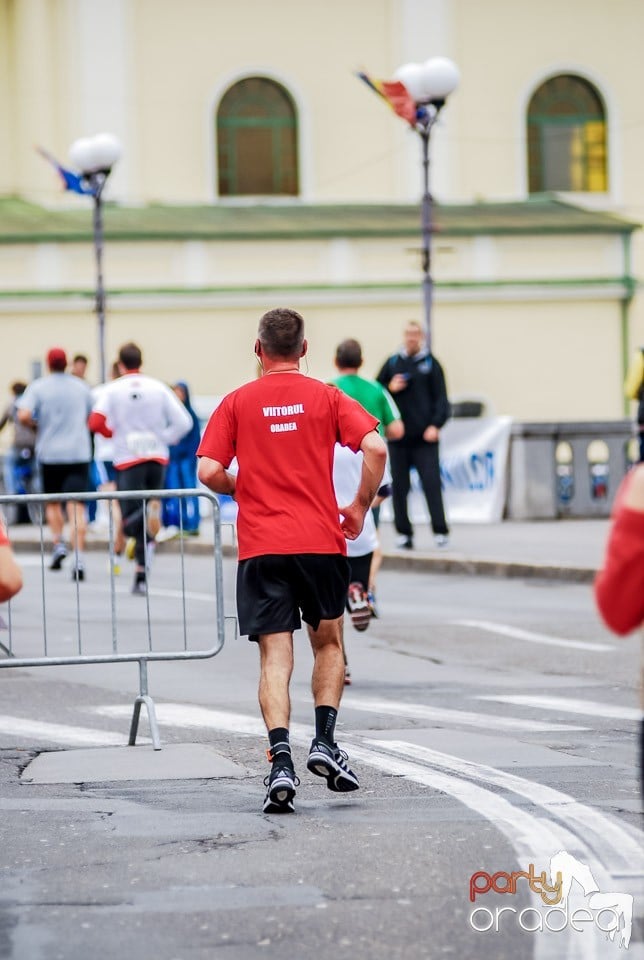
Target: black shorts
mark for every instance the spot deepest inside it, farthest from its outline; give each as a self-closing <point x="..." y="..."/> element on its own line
<point x="273" y="589"/>
<point x="360" y="569"/>
<point x="65" y="477"/>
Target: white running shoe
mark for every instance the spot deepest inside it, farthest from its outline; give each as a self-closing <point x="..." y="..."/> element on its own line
<point x="167" y="533"/>
<point x="358" y="606"/>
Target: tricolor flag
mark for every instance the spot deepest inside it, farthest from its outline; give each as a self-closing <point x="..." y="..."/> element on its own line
<point x="71" y="181"/>
<point x="396" y="95"/>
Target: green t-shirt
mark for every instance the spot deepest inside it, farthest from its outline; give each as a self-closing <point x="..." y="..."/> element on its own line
<point x="372" y="396"/>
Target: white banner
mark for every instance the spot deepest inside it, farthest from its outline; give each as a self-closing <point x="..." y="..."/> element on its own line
<point x="474" y="455"/>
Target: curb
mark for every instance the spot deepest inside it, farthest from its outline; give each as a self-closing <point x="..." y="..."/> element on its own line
<point x="488" y="568"/>
<point x="396" y="560"/>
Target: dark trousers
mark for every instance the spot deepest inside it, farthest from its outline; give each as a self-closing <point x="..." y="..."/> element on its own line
<point x="147" y="475"/>
<point x="423" y="456"/>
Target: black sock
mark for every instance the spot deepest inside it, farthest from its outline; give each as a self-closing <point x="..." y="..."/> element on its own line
<point x="279" y="741"/>
<point x="325" y="718"/>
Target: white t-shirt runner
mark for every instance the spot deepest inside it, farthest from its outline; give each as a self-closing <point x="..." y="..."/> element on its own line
<point x="347" y="470"/>
<point x="145" y="418"/>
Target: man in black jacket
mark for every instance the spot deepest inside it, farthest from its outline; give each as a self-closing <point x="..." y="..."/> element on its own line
<point x="416" y="380"/>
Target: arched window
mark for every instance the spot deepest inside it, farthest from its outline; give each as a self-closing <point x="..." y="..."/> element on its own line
<point x="567" y="137"/>
<point x="257" y="140"/>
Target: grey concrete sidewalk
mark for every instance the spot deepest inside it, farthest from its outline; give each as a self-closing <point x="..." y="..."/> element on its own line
<point x="561" y="549"/>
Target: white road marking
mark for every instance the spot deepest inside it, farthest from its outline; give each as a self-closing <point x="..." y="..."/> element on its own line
<point x="29" y="560"/>
<point x="533" y="838"/>
<point x="179" y="594"/>
<point x="102" y="584"/>
<point x="485" y="721"/>
<point x="588" y="708"/>
<point x="59" y="733"/>
<point x="615" y="842"/>
<point x="621" y="850"/>
<point x="516" y="633"/>
<point x="185" y="715"/>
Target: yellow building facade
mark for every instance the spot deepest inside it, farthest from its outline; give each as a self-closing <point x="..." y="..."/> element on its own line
<point x="310" y="187"/>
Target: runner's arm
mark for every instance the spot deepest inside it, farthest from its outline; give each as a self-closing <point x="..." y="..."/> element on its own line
<point x="214" y="476"/>
<point x="373" y="466"/>
<point x="10" y="573"/>
<point x="619" y="585"/>
<point x="97" y="423"/>
<point x="26" y="417"/>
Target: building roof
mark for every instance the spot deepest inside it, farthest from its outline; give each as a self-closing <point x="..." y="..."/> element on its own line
<point x="23" y="222"/>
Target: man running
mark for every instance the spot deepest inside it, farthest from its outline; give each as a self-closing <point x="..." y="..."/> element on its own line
<point x="58" y="404"/>
<point x="144" y="417"/>
<point x="283" y="428"/>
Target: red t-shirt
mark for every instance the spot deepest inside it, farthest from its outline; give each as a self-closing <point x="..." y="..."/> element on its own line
<point x="282" y="428"/>
<point x="619" y="586"/>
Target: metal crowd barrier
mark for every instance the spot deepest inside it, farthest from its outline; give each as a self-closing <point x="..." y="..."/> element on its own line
<point x="31" y="645"/>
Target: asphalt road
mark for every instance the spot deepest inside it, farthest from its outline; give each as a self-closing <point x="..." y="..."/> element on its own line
<point x="492" y="724"/>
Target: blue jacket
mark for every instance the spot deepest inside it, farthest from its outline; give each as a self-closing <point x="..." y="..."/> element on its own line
<point x="187" y="446"/>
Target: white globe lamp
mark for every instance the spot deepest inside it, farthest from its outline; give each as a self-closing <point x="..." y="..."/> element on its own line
<point x="439" y="77"/>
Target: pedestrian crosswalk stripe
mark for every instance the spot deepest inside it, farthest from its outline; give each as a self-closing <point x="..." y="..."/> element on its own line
<point x="468" y="718"/>
<point x="589" y="708"/>
<point x="186" y="715"/>
<point x="516" y="633"/>
<point x="58" y="733"/>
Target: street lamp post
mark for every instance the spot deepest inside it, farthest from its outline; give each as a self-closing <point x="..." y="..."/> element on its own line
<point x="94" y="158"/>
<point x="429" y="84"/>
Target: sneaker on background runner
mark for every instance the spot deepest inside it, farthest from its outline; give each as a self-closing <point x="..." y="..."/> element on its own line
<point x="347" y="676"/>
<point x="358" y="606"/>
<point x="404" y="542"/>
<point x="371" y="600"/>
<point x="58" y="555"/>
<point x="441" y="540"/>
<point x="140" y="585"/>
<point x="167" y="533"/>
<point x="327" y="760"/>
<point x="78" y="573"/>
<point x="280" y="788"/>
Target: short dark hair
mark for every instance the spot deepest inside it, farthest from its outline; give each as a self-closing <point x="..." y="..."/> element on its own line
<point x="80" y="357"/>
<point x="348" y="355"/>
<point x="130" y="356"/>
<point x="18" y="388"/>
<point x="281" y="333"/>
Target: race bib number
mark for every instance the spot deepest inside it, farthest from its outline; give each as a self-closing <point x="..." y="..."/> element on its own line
<point x="144" y="444"/>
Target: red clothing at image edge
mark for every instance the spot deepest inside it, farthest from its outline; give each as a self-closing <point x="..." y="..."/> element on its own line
<point x="619" y="586"/>
<point x="282" y="428"/>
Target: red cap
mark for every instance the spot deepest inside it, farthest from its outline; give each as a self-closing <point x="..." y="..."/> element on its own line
<point x="56" y="359"/>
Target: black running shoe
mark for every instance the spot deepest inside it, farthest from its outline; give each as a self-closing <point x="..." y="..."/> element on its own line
<point x="280" y="789"/>
<point x="327" y="760"/>
<point x="140" y="585"/>
<point x="78" y="573"/>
